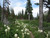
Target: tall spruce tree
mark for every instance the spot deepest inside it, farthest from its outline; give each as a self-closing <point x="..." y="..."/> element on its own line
<point x="29" y="9"/>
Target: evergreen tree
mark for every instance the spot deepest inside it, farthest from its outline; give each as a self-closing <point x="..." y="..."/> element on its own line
<point x="25" y="16"/>
<point x="47" y="3"/>
<point x="19" y="15"/>
<point x="22" y="14"/>
<point x="12" y="13"/>
<point x="29" y="9"/>
<point x="0" y="12"/>
<point x="8" y="13"/>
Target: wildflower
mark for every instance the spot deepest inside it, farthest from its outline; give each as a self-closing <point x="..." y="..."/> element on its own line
<point x="47" y="35"/>
<point x="15" y="35"/>
<point x="22" y="30"/>
<point x="4" y="25"/>
<point x="18" y="37"/>
<point x="16" y="29"/>
<point x="40" y="30"/>
<point x="6" y="30"/>
<point x="28" y="33"/>
<point x="26" y="29"/>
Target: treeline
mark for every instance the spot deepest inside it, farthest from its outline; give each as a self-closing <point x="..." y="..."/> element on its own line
<point x="9" y="14"/>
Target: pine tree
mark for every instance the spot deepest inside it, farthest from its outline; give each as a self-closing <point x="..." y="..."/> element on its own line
<point x="47" y="3"/>
<point x="29" y="9"/>
<point x="8" y="12"/>
<point x="3" y="15"/>
<point x="19" y="15"/>
<point x="22" y="14"/>
<point x="0" y="12"/>
<point x="12" y="13"/>
<point x="25" y="16"/>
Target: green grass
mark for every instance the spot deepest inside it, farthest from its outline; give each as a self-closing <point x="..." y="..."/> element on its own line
<point x="32" y="26"/>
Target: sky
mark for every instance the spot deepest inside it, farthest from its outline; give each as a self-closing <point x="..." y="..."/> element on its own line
<point x="18" y="5"/>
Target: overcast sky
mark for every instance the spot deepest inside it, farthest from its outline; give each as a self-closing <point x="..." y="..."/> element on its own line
<point x="18" y="5"/>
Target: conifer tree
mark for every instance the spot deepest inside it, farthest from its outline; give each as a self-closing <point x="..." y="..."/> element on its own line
<point x="29" y="9"/>
<point x="0" y="12"/>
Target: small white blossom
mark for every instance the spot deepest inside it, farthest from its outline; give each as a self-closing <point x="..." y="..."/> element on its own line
<point x="6" y="30"/>
<point x="40" y="30"/>
<point x="26" y="29"/>
<point x="18" y="37"/>
<point x="4" y="25"/>
<point x="28" y="33"/>
<point x="22" y="30"/>
<point x="15" y="35"/>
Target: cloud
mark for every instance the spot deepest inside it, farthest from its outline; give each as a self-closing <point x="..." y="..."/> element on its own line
<point x="35" y="11"/>
<point x="18" y="9"/>
<point x="18" y="6"/>
<point x="35" y="1"/>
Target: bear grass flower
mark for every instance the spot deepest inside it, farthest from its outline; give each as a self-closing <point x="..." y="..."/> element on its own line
<point x="4" y="25"/>
<point x="6" y="30"/>
<point x="26" y="29"/>
<point x="18" y="37"/>
<point x="28" y="33"/>
<point x="24" y="26"/>
<point x="22" y="30"/>
<point x="40" y="30"/>
<point x="15" y="35"/>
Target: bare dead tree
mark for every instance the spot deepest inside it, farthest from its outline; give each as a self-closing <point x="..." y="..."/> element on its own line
<point x="3" y="17"/>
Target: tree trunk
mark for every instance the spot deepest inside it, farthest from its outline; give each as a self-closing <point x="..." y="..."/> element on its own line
<point x="3" y="15"/>
<point x="40" y="14"/>
<point x="29" y="16"/>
